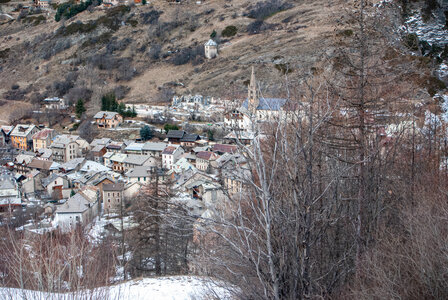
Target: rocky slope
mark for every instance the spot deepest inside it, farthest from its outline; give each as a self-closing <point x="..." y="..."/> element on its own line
<point x="146" y="53"/>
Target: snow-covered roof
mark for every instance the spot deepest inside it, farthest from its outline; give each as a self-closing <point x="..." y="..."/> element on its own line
<point x="90" y="166"/>
<point x="7" y="182"/>
<point x="72" y="164"/>
<point x="273" y="104"/>
<point x="135" y="159"/>
<point x="61" y="141"/>
<point x="75" y="204"/>
<point x="134" y="147"/>
<point x="103" y="141"/>
<point x="106" y="114"/>
<point x="151" y="146"/>
<point x="211" y="42"/>
<point x="43" y="134"/>
<point x="139" y="171"/>
<point x="22" y="130"/>
<point x="118" y="157"/>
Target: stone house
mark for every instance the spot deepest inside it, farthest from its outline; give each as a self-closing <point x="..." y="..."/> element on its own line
<point x="133" y="160"/>
<point x="67" y="147"/>
<point x="117" y="162"/>
<point x="108" y="119"/>
<point x="54" y="184"/>
<point x="78" y="210"/>
<point x="174" y="136"/>
<point x="189" y="140"/>
<point x="9" y="192"/>
<point x="98" y="152"/>
<point x="153" y="149"/>
<point x="43" y="166"/>
<point x="112" y="197"/>
<point x="22" y="136"/>
<point x="204" y="159"/>
<point x="43" y="138"/>
<point x="141" y="174"/>
<point x="54" y="102"/>
<point x="170" y="155"/>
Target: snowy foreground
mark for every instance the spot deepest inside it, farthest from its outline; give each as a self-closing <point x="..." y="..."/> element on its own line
<point x="164" y="288"/>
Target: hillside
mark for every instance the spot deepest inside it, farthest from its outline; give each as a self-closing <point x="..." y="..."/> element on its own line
<point x="147" y="53"/>
<point x="102" y="49"/>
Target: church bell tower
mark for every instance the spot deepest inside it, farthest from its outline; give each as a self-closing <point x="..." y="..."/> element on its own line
<point x="252" y="97"/>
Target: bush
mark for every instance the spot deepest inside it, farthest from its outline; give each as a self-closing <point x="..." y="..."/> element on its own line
<point x="187" y="55"/>
<point x="62" y="87"/>
<point x="151" y="17"/>
<point x="78" y="93"/>
<point x="428" y="8"/>
<point x="154" y="52"/>
<point x="4" y="53"/>
<point x="169" y="127"/>
<point x="266" y="9"/>
<point x="229" y="31"/>
<point x="411" y="41"/>
<point x="77" y="27"/>
<point x="120" y="45"/>
<point x="284" y="68"/>
<point x="35" y="20"/>
<point x="433" y="85"/>
<point x="98" y="40"/>
<point x="256" y="27"/>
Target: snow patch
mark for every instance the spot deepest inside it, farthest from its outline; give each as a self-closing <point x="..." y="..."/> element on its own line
<point x="162" y="288"/>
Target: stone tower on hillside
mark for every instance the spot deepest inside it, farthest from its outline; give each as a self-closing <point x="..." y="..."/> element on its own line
<point x="252" y="97"/>
<point x="211" y="49"/>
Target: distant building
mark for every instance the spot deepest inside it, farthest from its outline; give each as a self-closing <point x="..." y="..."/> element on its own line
<point x="211" y="49"/>
<point x="204" y="159"/>
<point x="258" y="109"/>
<point x="108" y="119"/>
<point x="190" y="100"/>
<point x="5" y="135"/>
<point x="9" y="192"/>
<point x="66" y="147"/>
<point x="42" y="3"/>
<point x="42" y="139"/>
<point x="53" y="102"/>
<point x="22" y="136"/>
<point x="112" y="196"/>
<point x="79" y="210"/>
<point x="174" y="136"/>
<point x="141" y="174"/>
<point x="154" y="148"/>
<point x="170" y="155"/>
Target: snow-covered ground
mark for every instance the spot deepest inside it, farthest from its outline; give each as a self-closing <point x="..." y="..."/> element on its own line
<point x="163" y="288"/>
<point x="433" y="31"/>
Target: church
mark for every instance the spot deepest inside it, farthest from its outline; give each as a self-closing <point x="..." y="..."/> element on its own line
<point x="255" y="108"/>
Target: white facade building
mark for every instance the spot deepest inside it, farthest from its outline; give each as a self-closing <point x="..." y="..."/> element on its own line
<point x="211" y="49"/>
<point x="170" y="156"/>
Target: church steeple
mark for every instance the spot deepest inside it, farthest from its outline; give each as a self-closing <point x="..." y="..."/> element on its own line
<point x="252" y="97"/>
